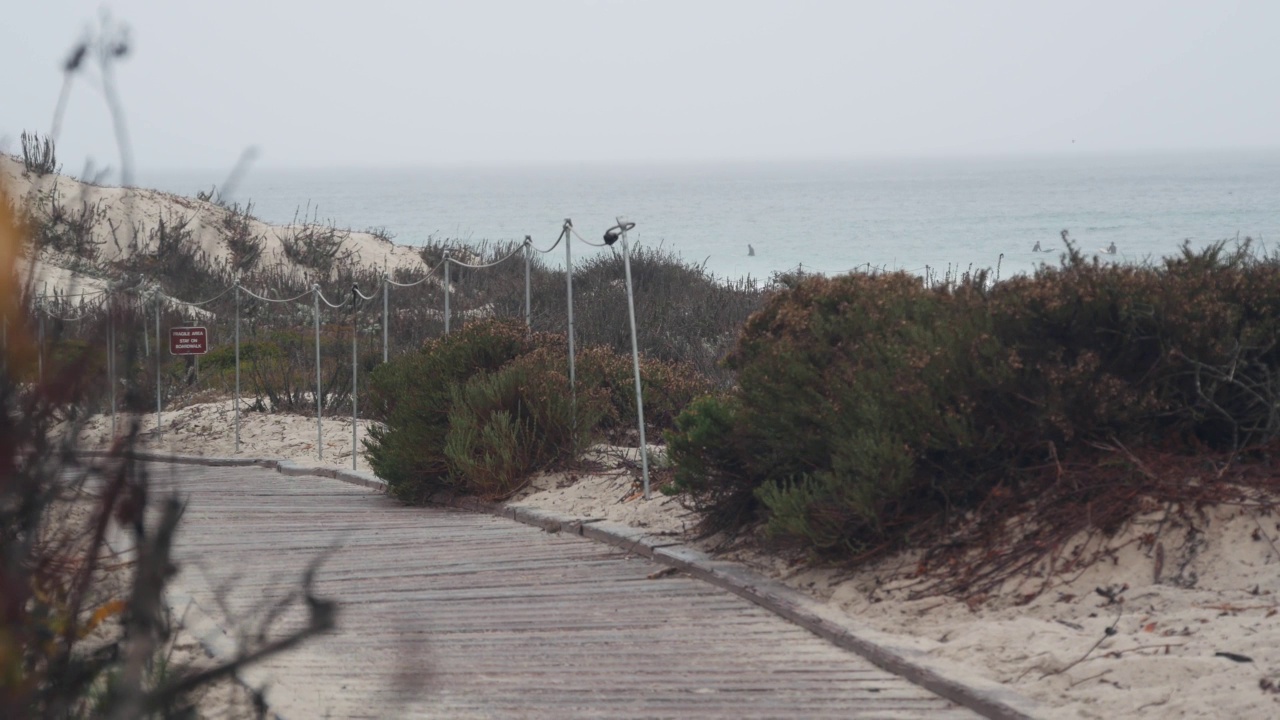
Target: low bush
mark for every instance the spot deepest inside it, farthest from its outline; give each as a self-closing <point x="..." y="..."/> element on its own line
<point x="505" y="424"/>
<point x="478" y="410"/>
<point x="668" y="387"/>
<point x="871" y="406"/>
<point x="38" y="154"/>
<point x="683" y="312"/>
<point x="245" y="247"/>
<point x="67" y="226"/>
<point x="169" y="252"/>
<point x="223" y="357"/>
<point x="282" y="373"/>
<point x="412" y="396"/>
<point x="710" y="463"/>
<point x="315" y="245"/>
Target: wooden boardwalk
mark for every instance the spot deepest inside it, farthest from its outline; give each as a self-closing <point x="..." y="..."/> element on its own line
<point x="456" y="615"/>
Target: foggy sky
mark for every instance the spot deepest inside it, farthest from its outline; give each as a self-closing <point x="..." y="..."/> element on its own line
<point x="314" y="83"/>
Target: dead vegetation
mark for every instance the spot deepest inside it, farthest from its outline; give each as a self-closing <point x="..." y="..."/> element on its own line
<point x="1014" y="545"/>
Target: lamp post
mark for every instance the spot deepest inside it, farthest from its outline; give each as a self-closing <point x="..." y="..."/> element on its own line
<point x="612" y="235"/>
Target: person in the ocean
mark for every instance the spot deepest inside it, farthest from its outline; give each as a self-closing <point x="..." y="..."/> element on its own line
<point x="1111" y="249"/>
<point x="1037" y="247"/>
<point x="750" y="250"/>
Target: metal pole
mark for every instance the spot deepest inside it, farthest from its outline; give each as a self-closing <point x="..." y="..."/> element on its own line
<point x="354" y="368"/>
<point x="315" y="291"/>
<point x="635" y="356"/>
<point x="4" y="339"/>
<point x="528" y="252"/>
<point x="158" y="363"/>
<point x="568" y="283"/>
<point x="386" y="289"/>
<point x="446" y="292"/>
<point x="237" y="366"/>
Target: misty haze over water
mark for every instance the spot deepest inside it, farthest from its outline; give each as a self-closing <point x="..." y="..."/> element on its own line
<point x="827" y="217"/>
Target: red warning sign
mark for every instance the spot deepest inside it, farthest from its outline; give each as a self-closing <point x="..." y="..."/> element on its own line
<point x="188" y="341"/>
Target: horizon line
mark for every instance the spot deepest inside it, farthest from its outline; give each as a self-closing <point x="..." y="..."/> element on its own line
<point x="637" y="163"/>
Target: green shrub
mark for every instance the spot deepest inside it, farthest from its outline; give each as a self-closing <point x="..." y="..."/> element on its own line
<point x="480" y="409"/>
<point x="683" y="312"/>
<point x="868" y="405"/>
<point x="833" y="394"/>
<point x="704" y="448"/>
<point x="492" y="452"/>
<point x="282" y="374"/>
<point x="413" y="394"/>
<point x="668" y="387"/>
<point x="506" y="424"/>
<point x="1184" y="349"/>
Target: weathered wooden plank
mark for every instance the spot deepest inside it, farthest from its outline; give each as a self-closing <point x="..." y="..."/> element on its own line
<point x="482" y="617"/>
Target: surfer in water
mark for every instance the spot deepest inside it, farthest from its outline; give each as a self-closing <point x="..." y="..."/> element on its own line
<point x="1111" y="249"/>
<point x="1037" y="247"/>
<point x="751" y="252"/>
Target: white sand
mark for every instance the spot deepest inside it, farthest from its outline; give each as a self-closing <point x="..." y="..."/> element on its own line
<point x="134" y="212"/>
<point x="615" y="493"/>
<point x="1219" y="591"/>
<point x="209" y="429"/>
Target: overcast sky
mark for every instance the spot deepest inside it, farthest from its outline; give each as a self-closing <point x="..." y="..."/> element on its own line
<point x="489" y="82"/>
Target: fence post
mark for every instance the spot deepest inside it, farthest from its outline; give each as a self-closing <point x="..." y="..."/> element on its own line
<point x="354" y="368"/>
<point x="568" y="283"/>
<point x="315" y="295"/>
<point x="446" y="292"/>
<point x="635" y="354"/>
<point x="158" y="406"/>
<point x="528" y="252"/>
<point x="237" y="405"/>
<point x="386" y="288"/>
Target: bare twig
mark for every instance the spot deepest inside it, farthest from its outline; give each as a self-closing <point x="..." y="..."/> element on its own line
<point x="1087" y="679"/>
<point x="1109" y="632"/>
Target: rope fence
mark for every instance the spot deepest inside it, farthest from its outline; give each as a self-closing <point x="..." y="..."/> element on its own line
<point x="47" y="306"/>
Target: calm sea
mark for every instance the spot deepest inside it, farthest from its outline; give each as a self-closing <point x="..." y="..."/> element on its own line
<point x="831" y="217"/>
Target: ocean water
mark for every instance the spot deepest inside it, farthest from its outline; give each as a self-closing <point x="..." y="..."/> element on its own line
<point x="825" y="217"/>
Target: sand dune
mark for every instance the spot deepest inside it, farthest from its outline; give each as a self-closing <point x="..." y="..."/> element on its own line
<point x="127" y="218"/>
